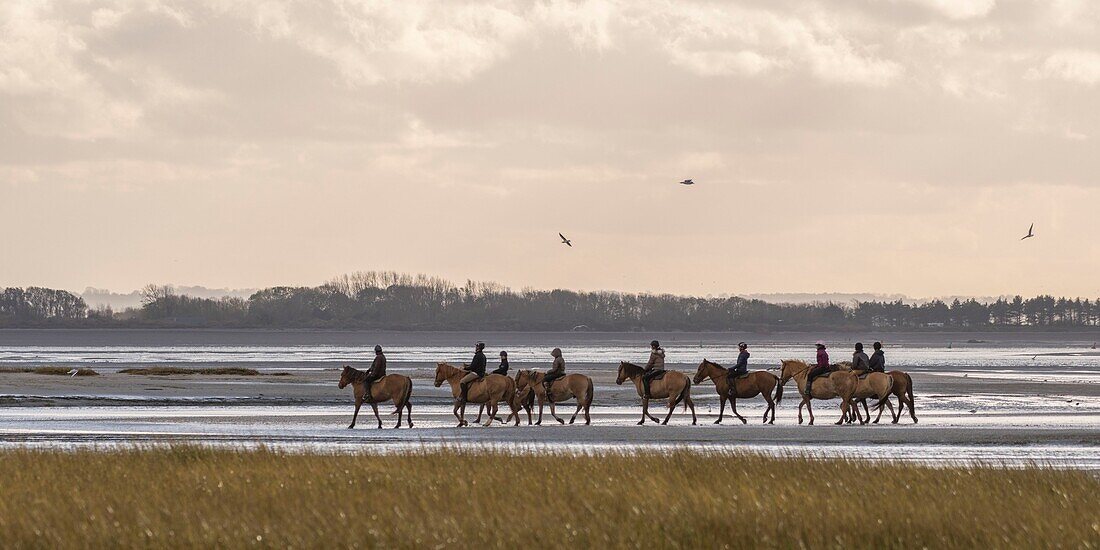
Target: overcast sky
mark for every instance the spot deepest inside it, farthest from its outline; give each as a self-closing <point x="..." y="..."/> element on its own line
<point x="860" y="146"/>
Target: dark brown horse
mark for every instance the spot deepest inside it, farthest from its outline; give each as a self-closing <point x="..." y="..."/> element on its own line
<point x="674" y="386"/>
<point x="395" y="387"/>
<point x="751" y="385"/>
<point x="903" y="388"/>
<point x="568" y="387"/>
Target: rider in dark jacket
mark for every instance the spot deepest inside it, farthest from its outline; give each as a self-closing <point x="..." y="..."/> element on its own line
<point x="860" y="363"/>
<point x="654" y="368"/>
<point x="878" y="359"/>
<point x="557" y="370"/>
<point x="822" y="367"/>
<point x="742" y="367"/>
<point x="376" y="371"/>
<point x="503" y="368"/>
<point x="476" y="371"/>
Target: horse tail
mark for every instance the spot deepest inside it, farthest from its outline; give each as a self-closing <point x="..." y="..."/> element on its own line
<point x="588" y="394"/>
<point x="685" y="394"/>
<point x="909" y="394"/>
<point x="408" y="392"/>
<point x="778" y="390"/>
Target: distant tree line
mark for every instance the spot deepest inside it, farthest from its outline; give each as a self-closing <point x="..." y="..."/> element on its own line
<point x="388" y="300"/>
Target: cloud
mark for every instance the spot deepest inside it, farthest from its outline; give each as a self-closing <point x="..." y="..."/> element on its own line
<point x="958" y="9"/>
<point x="1078" y="66"/>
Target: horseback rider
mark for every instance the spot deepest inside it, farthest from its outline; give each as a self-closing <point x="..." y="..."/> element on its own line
<point x="822" y="366"/>
<point x="475" y="371"/>
<point x="654" y="368"/>
<point x="376" y="371"/>
<point x="742" y="367"/>
<point x="503" y="368"/>
<point x="861" y="364"/>
<point x="557" y="370"/>
<point x="878" y="359"/>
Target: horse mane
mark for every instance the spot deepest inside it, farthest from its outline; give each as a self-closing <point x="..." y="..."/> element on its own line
<point x="356" y="375"/>
<point x="709" y="362"/>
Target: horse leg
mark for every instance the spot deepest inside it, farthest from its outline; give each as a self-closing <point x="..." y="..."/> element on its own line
<point x="733" y="407"/>
<point x="480" y="409"/>
<point x="867" y="413"/>
<point x="409" y="412"/>
<point x="770" y="407"/>
<point x="810" y="410"/>
<point x="491" y="404"/>
<point x="691" y="405"/>
<point x="542" y="403"/>
<point x="881" y="406"/>
<point x="580" y="406"/>
<point x="374" y="407"/>
<point x="845" y="408"/>
<point x="645" y="410"/>
<point x="800" y="405"/>
<point x="672" y="402"/>
<point x="554" y="413"/>
<point x="721" y="408"/>
<point x="354" y="417"/>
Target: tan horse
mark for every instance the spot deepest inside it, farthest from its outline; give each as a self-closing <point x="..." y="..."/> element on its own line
<point x="491" y="389"/>
<point x="674" y="386"/>
<point x="903" y="388"/>
<point x="836" y="384"/>
<point x="521" y="400"/>
<point x="395" y="387"/>
<point x="570" y="386"/>
<point x="876" y="385"/>
<point x="753" y="384"/>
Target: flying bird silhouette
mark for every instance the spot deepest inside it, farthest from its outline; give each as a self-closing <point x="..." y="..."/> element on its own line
<point x="565" y="241"/>
<point x="687" y="182"/>
<point x="1030" y="232"/>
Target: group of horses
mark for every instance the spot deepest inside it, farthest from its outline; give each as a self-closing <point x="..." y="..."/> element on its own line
<point x="526" y="389"/>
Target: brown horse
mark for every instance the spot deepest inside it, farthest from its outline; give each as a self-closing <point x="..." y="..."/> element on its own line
<point x="568" y="387"/>
<point x="522" y="400"/>
<point x="674" y="386"/>
<point x="753" y="384"/>
<point x="491" y="389"/>
<point x="828" y="386"/>
<point x="878" y="385"/>
<point x="396" y="387"/>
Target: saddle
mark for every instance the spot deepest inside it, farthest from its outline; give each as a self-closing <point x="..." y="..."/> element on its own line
<point x="659" y="375"/>
<point x="864" y="374"/>
<point x="740" y="376"/>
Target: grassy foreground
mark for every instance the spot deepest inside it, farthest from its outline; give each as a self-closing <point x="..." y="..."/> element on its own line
<point x="195" y="497"/>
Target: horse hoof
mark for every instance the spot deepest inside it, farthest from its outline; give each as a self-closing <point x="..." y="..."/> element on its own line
<point x="571" y="421"/>
<point x="640" y="422"/>
<point x="351" y="427"/>
<point x="743" y="421"/>
<point x="719" y="421"/>
<point x="560" y="421"/>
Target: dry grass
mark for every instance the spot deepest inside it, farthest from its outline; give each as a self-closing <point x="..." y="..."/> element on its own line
<point x="165" y="371"/>
<point x="55" y="371"/>
<point x="194" y="497"/>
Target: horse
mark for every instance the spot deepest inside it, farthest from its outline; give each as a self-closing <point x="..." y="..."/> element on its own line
<point x="828" y="386"/>
<point x="753" y="384"/>
<point x="876" y="384"/>
<point x="570" y="386"/>
<point x="674" y="386"/>
<point x="903" y="388"/>
<point x="522" y="400"/>
<point x="490" y="389"/>
<point x="396" y="387"/>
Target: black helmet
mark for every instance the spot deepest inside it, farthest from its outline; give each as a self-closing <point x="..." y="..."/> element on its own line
<point x="654" y="344"/>
<point x="480" y="345"/>
<point x="878" y="345"/>
<point x="859" y="346"/>
<point x="503" y="353"/>
<point x="742" y="345"/>
<point x="377" y="349"/>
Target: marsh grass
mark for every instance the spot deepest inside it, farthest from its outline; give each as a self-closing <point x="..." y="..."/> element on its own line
<point x="165" y="371"/>
<point x="198" y="497"/>
<point x="53" y="371"/>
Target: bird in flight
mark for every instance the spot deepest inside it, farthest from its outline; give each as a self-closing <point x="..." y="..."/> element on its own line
<point x="1030" y="232"/>
<point x="565" y="241"/>
<point x="687" y="182"/>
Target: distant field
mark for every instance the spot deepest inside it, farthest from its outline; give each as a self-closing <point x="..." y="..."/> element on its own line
<point x="194" y="497"/>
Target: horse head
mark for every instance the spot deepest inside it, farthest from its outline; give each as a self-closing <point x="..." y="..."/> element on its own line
<point x="346" y="377"/>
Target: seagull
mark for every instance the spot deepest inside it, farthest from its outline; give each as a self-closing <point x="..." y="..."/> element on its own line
<point x="687" y="182"/>
<point x="1030" y="232"/>
<point x="73" y="373"/>
<point x="565" y="241"/>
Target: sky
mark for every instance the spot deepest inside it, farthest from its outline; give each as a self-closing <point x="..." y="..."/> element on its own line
<point x="892" y="146"/>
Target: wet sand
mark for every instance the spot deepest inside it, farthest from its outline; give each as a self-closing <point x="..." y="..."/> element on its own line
<point x="962" y="416"/>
